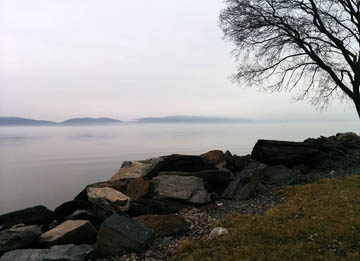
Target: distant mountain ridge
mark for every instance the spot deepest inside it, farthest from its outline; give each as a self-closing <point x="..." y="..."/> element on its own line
<point x="87" y="121"/>
<point x="17" y="121"/>
<point x="199" y="119"/>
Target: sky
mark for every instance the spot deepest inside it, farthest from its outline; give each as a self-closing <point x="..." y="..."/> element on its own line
<point x="61" y="59"/>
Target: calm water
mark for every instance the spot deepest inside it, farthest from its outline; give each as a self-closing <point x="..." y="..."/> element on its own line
<point x="50" y="165"/>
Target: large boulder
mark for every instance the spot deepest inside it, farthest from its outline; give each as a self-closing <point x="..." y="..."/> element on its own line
<point x="246" y="183"/>
<point x="288" y="153"/>
<point x="107" y="201"/>
<point x="185" y="163"/>
<point x="18" y="237"/>
<point x="70" y="207"/>
<point x="119" y="185"/>
<point x="279" y="175"/>
<point x="218" y="180"/>
<point x="138" y="169"/>
<point x="119" y="234"/>
<point x="164" y="225"/>
<point x="188" y="188"/>
<point x="55" y="253"/>
<point x="70" y="232"/>
<point x="150" y="206"/>
<point x="38" y="215"/>
<point x="137" y="188"/>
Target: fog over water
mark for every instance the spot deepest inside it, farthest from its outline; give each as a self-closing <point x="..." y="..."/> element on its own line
<point x="50" y="165"/>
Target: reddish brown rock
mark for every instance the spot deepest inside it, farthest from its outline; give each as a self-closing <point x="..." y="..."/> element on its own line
<point x="138" y="188"/>
<point x="214" y="157"/>
<point x="163" y="225"/>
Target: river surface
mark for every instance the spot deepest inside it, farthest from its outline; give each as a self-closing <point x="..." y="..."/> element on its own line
<point x="50" y="165"/>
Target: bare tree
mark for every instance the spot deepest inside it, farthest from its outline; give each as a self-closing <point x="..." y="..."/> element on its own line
<point x="312" y="46"/>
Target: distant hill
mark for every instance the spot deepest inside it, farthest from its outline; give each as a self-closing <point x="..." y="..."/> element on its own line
<point x="194" y="119"/>
<point x="90" y="121"/>
<point x="16" y="121"/>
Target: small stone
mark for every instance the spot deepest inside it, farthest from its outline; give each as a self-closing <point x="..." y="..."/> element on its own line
<point x="218" y="231"/>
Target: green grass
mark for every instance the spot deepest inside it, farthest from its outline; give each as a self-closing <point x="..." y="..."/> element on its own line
<point x="319" y="221"/>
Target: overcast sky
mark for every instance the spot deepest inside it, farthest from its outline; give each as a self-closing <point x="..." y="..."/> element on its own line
<point x="126" y="59"/>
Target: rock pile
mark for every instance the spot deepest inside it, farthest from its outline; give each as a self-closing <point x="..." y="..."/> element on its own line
<point x="147" y="201"/>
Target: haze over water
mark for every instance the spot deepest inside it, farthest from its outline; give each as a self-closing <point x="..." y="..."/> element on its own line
<point x="51" y="165"/>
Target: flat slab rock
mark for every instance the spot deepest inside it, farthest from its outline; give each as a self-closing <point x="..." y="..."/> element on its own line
<point x="55" y="253"/>
<point x="137" y="169"/>
<point x="38" y="215"/>
<point x="120" y="234"/>
<point x="69" y="232"/>
<point x="18" y="237"/>
<point x="107" y="201"/>
<point x="188" y="188"/>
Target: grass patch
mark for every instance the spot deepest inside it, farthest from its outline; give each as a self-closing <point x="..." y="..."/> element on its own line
<point x="319" y="221"/>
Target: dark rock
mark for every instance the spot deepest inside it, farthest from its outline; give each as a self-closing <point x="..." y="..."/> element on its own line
<point x="272" y="152"/>
<point x="85" y="215"/>
<point x="107" y="201"/>
<point x="279" y="175"/>
<point x="38" y="215"/>
<point x="241" y="162"/>
<point x="119" y="234"/>
<point x="164" y="225"/>
<point x="246" y="183"/>
<point x="70" y="207"/>
<point x="229" y="158"/>
<point x="18" y="237"/>
<point x="185" y="163"/>
<point x="147" y="206"/>
<point x="190" y="189"/>
<point x="119" y="185"/>
<point x="70" y="232"/>
<point x="218" y="180"/>
<point x="55" y="253"/>
<point x="138" y="188"/>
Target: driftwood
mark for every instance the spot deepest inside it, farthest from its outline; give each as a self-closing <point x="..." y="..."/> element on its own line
<point x="273" y="152"/>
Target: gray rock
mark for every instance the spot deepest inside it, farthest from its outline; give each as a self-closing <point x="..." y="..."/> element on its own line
<point x="18" y="237"/>
<point x="69" y="232"/>
<point x="69" y="253"/>
<point x="217" y="179"/>
<point x="55" y="253"/>
<point x="190" y="189"/>
<point x="279" y="175"/>
<point x="25" y="255"/>
<point x="119" y="234"/>
<point x="246" y="183"/>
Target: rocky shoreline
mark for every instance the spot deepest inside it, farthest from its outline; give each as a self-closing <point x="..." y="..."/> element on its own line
<point x="148" y="207"/>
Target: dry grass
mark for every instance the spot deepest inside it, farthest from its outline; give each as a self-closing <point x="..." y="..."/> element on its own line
<point x="319" y="221"/>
